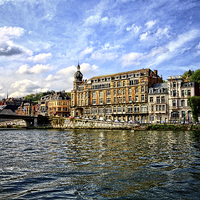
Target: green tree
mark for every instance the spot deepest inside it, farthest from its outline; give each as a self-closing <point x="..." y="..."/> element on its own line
<point x="194" y="103"/>
<point x="196" y="76"/>
<point x="187" y="74"/>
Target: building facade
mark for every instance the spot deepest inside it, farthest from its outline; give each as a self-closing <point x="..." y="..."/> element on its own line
<point x="158" y="103"/>
<point x="59" y="104"/>
<point x="179" y="91"/>
<point x="121" y="96"/>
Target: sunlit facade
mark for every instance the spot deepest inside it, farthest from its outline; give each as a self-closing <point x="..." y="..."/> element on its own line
<point x="121" y="96"/>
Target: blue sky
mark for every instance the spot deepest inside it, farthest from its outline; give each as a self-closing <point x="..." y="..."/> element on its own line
<point x="42" y="41"/>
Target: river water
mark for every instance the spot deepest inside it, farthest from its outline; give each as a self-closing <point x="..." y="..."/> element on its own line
<point x="99" y="164"/>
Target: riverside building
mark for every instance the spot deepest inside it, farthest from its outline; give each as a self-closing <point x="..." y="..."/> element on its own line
<point x="179" y="91"/>
<point x="158" y="103"/>
<point x="121" y="96"/>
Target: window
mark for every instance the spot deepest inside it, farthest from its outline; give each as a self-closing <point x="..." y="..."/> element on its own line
<point x="108" y="100"/>
<point x="182" y="102"/>
<point x="114" y="92"/>
<point x="119" y="91"/>
<point x="108" y="93"/>
<point x="142" y="98"/>
<point x="123" y="91"/>
<point x="119" y="100"/>
<point x="163" y="107"/>
<point x="129" y="98"/>
<point x="189" y="92"/>
<point x="173" y="103"/>
<point x="175" y="114"/>
<point x="101" y="94"/>
<point x="152" y="108"/>
<point x="136" y="90"/>
<point x="114" y="84"/>
<point x="136" y="109"/>
<point x="142" y="89"/>
<point x="123" y="83"/>
<point x="101" y="100"/>
<point x="119" y="109"/>
<point x="114" y="99"/>
<point x="136" y="98"/>
<point x="182" y="93"/>
<point x="151" y="99"/>
<point x="114" y="109"/>
<point x="94" y="101"/>
<point x="144" y="108"/>
<point x="174" y="93"/>
<point x="94" y="95"/>
<point x="118" y="84"/>
<point x="162" y="99"/>
<point x="130" y="109"/>
<point x="129" y="91"/>
<point x="174" y="84"/>
<point x="157" y="99"/>
<point x="124" y="109"/>
<point x="124" y="99"/>
<point x="183" y="114"/>
<point x="151" y="118"/>
<point x="93" y="111"/>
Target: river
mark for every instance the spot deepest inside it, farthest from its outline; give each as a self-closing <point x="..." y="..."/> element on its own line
<point x="99" y="164"/>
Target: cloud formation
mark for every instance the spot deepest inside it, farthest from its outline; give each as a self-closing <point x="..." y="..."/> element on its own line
<point x="7" y="47"/>
<point x="37" y="69"/>
<point x="41" y="58"/>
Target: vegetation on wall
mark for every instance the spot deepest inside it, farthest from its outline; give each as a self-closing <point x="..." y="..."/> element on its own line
<point x="194" y="103"/>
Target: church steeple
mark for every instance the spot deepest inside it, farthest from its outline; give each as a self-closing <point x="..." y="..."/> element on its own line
<point x="78" y="77"/>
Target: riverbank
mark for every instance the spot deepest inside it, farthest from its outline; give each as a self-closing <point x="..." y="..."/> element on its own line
<point x="93" y="124"/>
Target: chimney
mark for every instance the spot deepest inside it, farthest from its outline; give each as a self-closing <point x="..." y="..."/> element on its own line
<point x="156" y="72"/>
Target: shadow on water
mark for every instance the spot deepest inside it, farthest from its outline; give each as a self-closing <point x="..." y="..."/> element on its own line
<point x="99" y="164"/>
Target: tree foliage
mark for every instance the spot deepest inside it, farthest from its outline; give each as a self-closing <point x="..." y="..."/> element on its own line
<point x="196" y="76"/>
<point x="194" y="103"/>
<point x="187" y="74"/>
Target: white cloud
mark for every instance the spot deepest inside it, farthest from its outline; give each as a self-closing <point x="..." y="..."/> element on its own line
<point x="150" y="24"/>
<point x="24" y="87"/>
<point x="11" y="31"/>
<point x="3" y="95"/>
<point x="7" y="48"/>
<point x="99" y="55"/>
<point x="131" y="59"/>
<point x="87" y="68"/>
<point x="40" y="57"/>
<point x="67" y="71"/>
<point x="162" y="32"/>
<point x="177" y="46"/>
<point x="86" y="51"/>
<point x="107" y="52"/>
<point x="37" y="69"/>
<point x="67" y="74"/>
<point x="198" y="46"/>
<point x="135" y="28"/>
<point x="143" y="36"/>
<point x="135" y="58"/>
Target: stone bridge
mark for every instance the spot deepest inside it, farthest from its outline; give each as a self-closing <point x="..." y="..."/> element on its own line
<point x="31" y="121"/>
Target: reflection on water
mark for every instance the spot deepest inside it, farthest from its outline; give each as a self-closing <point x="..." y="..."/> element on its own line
<point x="99" y="164"/>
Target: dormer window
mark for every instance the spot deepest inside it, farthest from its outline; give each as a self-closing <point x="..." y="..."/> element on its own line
<point x="103" y="79"/>
<point x="124" y="76"/>
<point x="117" y="77"/>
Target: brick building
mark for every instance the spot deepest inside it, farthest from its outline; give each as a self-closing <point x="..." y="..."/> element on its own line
<point x="121" y="96"/>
